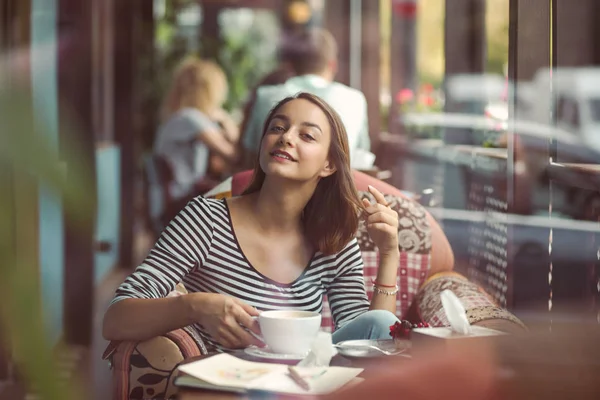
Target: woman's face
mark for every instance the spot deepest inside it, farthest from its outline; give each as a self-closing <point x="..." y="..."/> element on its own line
<point x="296" y="143"/>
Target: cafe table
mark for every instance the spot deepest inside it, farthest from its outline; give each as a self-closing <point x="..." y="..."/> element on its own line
<point x="369" y="365"/>
<point x="561" y="363"/>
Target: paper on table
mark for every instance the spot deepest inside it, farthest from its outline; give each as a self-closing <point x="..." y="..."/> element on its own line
<point x="455" y="312"/>
<point x="227" y="370"/>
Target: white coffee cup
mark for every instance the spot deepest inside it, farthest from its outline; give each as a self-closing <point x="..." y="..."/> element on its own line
<point x="289" y="331"/>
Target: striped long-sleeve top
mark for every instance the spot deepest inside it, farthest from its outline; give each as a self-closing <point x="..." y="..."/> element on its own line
<point x="199" y="248"/>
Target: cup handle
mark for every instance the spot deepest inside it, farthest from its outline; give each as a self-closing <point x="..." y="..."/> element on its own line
<point x="257" y="336"/>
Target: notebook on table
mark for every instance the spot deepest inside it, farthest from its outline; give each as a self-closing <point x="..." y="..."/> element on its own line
<point x="224" y="372"/>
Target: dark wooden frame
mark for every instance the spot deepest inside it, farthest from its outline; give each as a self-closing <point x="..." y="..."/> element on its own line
<point x="465" y="36"/>
<point x="337" y="14"/>
<point x="124" y="128"/>
<point x="336" y="17"/>
<point x="7" y="14"/>
<point x="75" y="109"/>
<point x="371" y="66"/>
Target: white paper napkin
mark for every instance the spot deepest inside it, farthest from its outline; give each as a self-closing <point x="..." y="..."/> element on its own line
<point x="455" y="312"/>
<point x="321" y="352"/>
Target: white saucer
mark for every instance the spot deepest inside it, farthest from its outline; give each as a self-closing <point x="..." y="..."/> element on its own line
<point x="265" y="353"/>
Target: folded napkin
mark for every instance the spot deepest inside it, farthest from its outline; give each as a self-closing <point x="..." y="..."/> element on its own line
<point x="321" y="352"/>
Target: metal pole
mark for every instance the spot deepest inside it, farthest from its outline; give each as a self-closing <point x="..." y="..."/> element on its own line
<point x="355" y="43"/>
<point x="403" y="54"/>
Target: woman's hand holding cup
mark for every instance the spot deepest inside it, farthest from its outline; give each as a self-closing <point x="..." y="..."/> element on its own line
<point x="227" y="319"/>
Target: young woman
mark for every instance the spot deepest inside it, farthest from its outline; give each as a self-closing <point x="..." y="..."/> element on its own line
<point x="287" y="241"/>
<point x="195" y="127"/>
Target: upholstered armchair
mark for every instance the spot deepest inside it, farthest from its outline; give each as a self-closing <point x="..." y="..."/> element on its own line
<point x="144" y="369"/>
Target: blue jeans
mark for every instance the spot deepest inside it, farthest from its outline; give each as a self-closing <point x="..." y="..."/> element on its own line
<point x="374" y="324"/>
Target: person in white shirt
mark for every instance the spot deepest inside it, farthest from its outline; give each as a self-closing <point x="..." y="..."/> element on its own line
<point x="315" y="63"/>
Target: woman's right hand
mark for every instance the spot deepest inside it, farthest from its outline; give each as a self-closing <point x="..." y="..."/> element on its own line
<point x="225" y="319"/>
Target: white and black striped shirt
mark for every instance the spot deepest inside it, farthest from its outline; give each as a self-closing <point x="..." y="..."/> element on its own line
<point x="200" y="249"/>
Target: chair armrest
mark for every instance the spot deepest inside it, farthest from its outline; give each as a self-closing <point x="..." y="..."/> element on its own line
<point x="145" y="369"/>
<point x="481" y="309"/>
<point x="442" y="256"/>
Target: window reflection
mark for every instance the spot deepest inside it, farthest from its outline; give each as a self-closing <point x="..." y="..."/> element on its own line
<point x="594" y="105"/>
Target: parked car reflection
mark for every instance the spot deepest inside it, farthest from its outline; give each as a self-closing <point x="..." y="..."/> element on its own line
<point x="504" y="221"/>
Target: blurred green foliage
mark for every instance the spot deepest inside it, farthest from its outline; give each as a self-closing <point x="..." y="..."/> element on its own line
<point x="245" y="50"/>
<point x="26" y="155"/>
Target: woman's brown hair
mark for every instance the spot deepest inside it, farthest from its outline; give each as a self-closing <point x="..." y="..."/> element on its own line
<point x="330" y="218"/>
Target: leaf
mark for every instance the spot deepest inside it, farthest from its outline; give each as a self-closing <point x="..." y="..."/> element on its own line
<point x="137" y="393"/>
<point x="139" y="361"/>
<point x="151" y="379"/>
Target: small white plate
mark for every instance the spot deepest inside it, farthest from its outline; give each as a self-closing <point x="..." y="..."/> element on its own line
<point x="265" y="353"/>
<point x="360" y="349"/>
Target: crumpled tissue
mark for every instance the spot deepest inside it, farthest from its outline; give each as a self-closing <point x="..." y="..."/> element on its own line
<point x="455" y="312"/>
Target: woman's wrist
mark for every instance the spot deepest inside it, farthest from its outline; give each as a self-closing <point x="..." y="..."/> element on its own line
<point x="391" y="254"/>
<point x="387" y="272"/>
<point x="191" y="304"/>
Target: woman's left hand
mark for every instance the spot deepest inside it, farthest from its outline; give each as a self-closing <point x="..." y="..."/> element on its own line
<point x="382" y="223"/>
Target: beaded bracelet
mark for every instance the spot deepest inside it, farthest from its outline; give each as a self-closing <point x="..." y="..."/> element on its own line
<point x="385" y="292"/>
<point x="375" y="283"/>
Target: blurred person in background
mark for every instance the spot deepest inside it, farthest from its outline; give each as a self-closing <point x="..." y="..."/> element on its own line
<point x="196" y="137"/>
<point x="314" y="62"/>
<point x="278" y="76"/>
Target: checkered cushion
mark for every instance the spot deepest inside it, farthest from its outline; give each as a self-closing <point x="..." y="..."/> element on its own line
<point x="414" y="239"/>
<point x="412" y="273"/>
